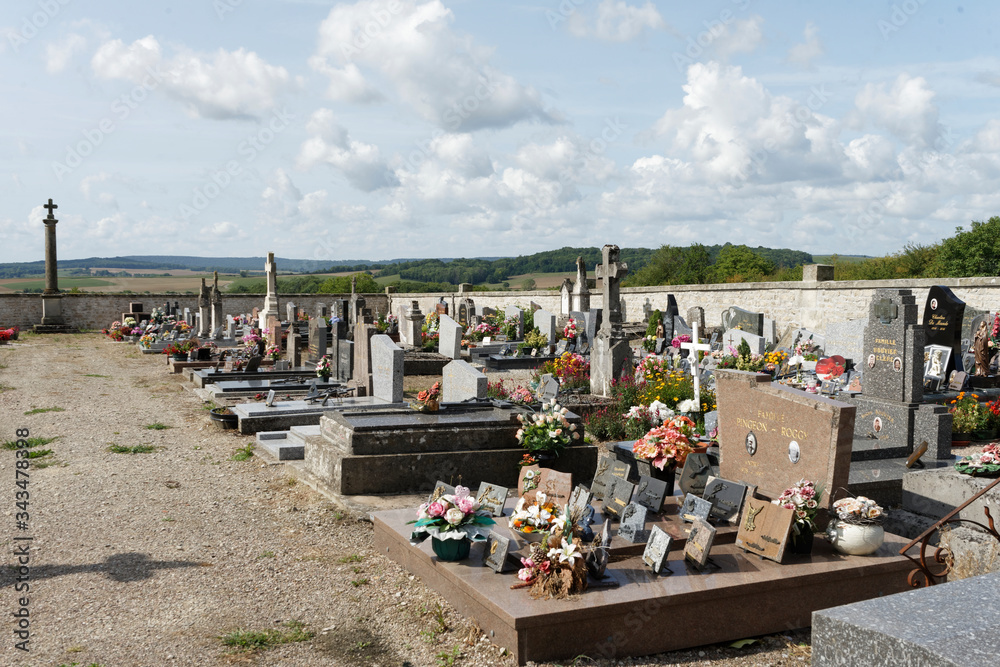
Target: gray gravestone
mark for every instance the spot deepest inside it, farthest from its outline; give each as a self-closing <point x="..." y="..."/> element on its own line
<point x="736" y="318"/>
<point x="580" y="320"/>
<point x="733" y="337"/>
<point x="697" y="315"/>
<point x="548" y="387"/>
<point x="846" y="339"/>
<point x="893" y="348"/>
<point x="317" y="339"/>
<point x="449" y="337"/>
<point x="545" y="322"/>
<point x="518" y="315"/>
<point x="460" y="382"/>
<point x="387" y="369"/>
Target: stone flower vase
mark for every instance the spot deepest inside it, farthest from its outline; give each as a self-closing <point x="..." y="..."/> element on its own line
<point x="451" y="550"/>
<point x="855" y="540"/>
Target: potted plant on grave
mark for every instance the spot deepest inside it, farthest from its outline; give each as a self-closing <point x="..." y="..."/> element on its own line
<point x="547" y="433"/>
<point x="224" y="417"/>
<point x="570" y="331"/>
<point x="533" y="340"/>
<point x="428" y="400"/>
<point x="533" y="520"/>
<point x="666" y="447"/>
<point x="147" y="341"/>
<point x="803" y="498"/>
<point x="985" y="463"/>
<point x="324" y="368"/>
<point x="453" y="522"/>
<point x="250" y="340"/>
<point x="971" y="420"/>
<point x="273" y="352"/>
<point x="857" y="530"/>
<point x="179" y="351"/>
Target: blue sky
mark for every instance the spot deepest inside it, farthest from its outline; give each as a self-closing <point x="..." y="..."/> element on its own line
<point x="426" y="128"/>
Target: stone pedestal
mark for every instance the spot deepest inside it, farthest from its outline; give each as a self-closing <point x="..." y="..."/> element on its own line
<point x="609" y="355"/>
<point x="52" y="310"/>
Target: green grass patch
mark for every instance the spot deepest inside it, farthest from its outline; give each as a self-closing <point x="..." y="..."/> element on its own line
<point x="267" y="554"/>
<point x="5" y="387"/>
<point x="157" y="426"/>
<point x="255" y="640"/>
<point x="32" y="443"/>
<point x="353" y="558"/>
<point x="359" y="582"/>
<point x="38" y="411"/>
<point x="134" y="449"/>
<point x="243" y="453"/>
<point x="95" y="375"/>
<point x="38" y="453"/>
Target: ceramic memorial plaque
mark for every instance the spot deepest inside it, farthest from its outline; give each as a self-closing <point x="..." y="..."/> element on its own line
<point x="650" y="493"/>
<point x="726" y="497"/>
<point x="657" y="550"/>
<point x="764" y="528"/>
<point x="440" y="489"/>
<point x="492" y="498"/>
<point x="694" y="508"/>
<point x="602" y="476"/>
<point x="699" y="543"/>
<point x="618" y="497"/>
<point x="695" y="473"/>
<point x="495" y="552"/>
<point x="556" y="485"/>
<point x="632" y="526"/>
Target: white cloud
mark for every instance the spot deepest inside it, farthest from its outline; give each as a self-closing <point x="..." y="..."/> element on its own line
<point x="347" y="83"/>
<point x="616" y="21"/>
<point x="907" y="109"/>
<point x="229" y="84"/>
<point x="59" y="54"/>
<point x="446" y="77"/>
<point x="360" y="163"/>
<point x="744" y="37"/>
<point x="803" y="54"/>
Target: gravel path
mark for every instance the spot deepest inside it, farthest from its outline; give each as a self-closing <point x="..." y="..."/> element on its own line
<point x="150" y="558"/>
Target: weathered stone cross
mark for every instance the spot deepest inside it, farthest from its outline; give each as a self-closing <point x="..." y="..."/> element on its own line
<point x="695" y="346"/>
<point x="51" y="207"/>
<point x="611" y="272"/>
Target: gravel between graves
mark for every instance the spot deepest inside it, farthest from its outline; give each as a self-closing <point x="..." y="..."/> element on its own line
<point x="149" y="559"/>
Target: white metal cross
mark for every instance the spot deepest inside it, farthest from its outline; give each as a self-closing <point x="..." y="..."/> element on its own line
<point x="695" y="346"/>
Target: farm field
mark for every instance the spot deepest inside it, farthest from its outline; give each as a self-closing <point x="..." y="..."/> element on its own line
<point x="189" y="282"/>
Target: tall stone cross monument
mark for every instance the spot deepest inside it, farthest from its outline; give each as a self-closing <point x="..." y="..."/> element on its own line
<point x="610" y="353"/>
<point x="271" y="300"/>
<point x="51" y="299"/>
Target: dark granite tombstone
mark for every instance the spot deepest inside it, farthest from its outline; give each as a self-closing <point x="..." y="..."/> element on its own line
<point x="657" y="550"/>
<point x="492" y="498"/>
<point x="943" y="316"/>
<point x="496" y="551"/>
<point x="619" y="495"/>
<point x="893" y="348"/>
<point x="695" y="507"/>
<point x="668" y="315"/>
<point x="726" y="497"/>
<point x="744" y="320"/>
<point x="699" y="543"/>
<point x="650" y="493"/>
<point x="632" y="527"/>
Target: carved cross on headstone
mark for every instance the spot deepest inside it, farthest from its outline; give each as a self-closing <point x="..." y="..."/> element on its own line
<point x="611" y="272"/>
<point x="696" y="346"/>
<point x="51" y="207"/>
<point x="886" y="311"/>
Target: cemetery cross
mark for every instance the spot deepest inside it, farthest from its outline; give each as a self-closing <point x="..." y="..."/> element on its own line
<point x="696" y="346"/>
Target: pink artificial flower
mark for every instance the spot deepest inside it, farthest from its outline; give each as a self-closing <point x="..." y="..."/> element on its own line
<point x="435" y="509"/>
<point x="527" y="562"/>
<point x="461" y="492"/>
<point x="464" y="504"/>
<point x="525" y="574"/>
<point x="545" y="566"/>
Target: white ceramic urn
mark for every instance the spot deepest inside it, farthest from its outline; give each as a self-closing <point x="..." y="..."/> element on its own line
<point x="855" y="540"/>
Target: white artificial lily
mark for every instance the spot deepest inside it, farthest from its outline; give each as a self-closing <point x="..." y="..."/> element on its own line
<point x="567" y="553"/>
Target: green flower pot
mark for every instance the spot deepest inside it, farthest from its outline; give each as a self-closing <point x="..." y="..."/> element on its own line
<point x="451" y="550"/>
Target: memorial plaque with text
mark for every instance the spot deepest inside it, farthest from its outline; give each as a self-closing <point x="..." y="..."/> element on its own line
<point x="726" y="497"/>
<point x="696" y="471"/>
<point x="764" y="529"/>
<point x="440" y="489"/>
<point x="618" y="497"/>
<point x="492" y="497"/>
<point x="694" y="508"/>
<point x="650" y="493"/>
<point x="557" y="486"/>
<point x="496" y="551"/>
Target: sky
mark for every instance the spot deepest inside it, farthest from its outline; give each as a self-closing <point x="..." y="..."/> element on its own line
<point x="427" y="128"/>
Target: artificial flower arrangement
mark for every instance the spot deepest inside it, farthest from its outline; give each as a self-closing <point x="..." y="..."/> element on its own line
<point x="860" y="511"/>
<point x="803" y="498"/>
<point x="147" y="341"/>
<point x="649" y="343"/>
<point x="984" y="463"/>
<point x="429" y="400"/>
<point x="519" y="395"/>
<point x="482" y="330"/>
<point x="324" y="367"/>
<point x="130" y="322"/>
<point x="806" y="350"/>
<point x="273" y="352"/>
<point x="6" y="334"/>
<point x="386" y="323"/>
<point x="179" y="348"/>
<point x="555" y="566"/>
<point x="677" y="340"/>
<point x="453" y="516"/>
<point x="250" y="340"/>
<point x="539" y="516"/>
<point x="547" y="431"/>
<point x="666" y="445"/>
<point x="569" y="331"/>
<point x="534" y="340"/>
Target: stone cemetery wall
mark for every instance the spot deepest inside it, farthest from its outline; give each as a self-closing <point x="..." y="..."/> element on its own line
<point x="97" y="311"/>
<point x="809" y="304"/>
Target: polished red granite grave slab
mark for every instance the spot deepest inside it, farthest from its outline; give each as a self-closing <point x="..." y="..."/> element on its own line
<point x="739" y="595"/>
